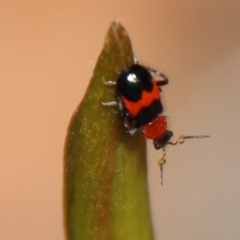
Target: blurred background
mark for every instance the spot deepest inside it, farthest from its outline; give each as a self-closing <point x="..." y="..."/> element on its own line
<point x="48" y="50"/>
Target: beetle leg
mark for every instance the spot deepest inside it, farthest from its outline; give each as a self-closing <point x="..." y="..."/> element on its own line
<point x="164" y="80"/>
<point x="110" y="104"/>
<point x="109" y="83"/>
<point x="135" y="58"/>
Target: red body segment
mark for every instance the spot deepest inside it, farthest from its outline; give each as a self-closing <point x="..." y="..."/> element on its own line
<point x="156" y="128"/>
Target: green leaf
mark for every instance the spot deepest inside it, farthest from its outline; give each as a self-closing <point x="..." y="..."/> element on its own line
<point x="105" y="182"/>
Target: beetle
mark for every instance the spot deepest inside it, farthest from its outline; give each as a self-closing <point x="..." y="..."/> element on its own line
<point x="139" y="104"/>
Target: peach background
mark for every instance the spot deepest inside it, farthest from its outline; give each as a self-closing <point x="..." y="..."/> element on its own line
<point x="47" y="54"/>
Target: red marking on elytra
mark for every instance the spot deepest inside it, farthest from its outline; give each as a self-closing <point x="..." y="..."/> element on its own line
<point x="146" y="99"/>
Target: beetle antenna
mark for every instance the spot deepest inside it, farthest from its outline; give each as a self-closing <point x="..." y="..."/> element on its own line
<point x="161" y="162"/>
<point x="181" y="138"/>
